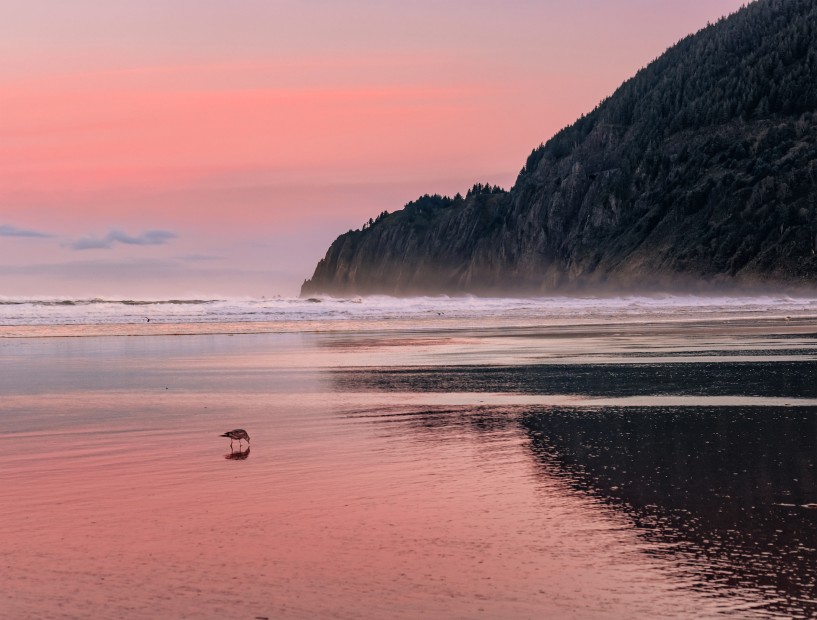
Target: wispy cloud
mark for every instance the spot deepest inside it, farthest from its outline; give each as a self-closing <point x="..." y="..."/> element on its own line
<point x="13" y="231"/>
<point x="149" y="237"/>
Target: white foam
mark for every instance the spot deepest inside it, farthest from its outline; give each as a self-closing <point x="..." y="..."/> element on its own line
<point x="16" y="311"/>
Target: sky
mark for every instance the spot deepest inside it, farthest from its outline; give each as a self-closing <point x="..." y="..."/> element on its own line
<point x="154" y="148"/>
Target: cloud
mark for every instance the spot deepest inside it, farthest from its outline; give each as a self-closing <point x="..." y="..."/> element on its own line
<point x="149" y="237"/>
<point x="13" y="231"/>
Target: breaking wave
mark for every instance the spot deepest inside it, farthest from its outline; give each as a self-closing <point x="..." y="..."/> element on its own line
<point x="17" y="311"/>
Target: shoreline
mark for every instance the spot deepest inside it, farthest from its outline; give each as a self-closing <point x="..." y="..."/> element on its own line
<point x="738" y="324"/>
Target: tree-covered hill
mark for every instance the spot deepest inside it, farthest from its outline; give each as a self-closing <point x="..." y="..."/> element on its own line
<point x="699" y="171"/>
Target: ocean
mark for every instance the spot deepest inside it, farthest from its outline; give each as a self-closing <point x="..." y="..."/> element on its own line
<point x="298" y="314"/>
<point x="627" y="457"/>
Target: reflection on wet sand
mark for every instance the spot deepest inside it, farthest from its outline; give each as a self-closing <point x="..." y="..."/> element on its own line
<point x="238" y="455"/>
<point x="724" y="378"/>
<point x="722" y="494"/>
<point x="470" y="481"/>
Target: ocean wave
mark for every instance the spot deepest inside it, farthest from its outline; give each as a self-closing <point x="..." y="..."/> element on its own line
<point x="100" y="310"/>
<point x="102" y="301"/>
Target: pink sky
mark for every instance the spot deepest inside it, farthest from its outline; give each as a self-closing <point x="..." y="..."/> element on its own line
<point x="213" y="147"/>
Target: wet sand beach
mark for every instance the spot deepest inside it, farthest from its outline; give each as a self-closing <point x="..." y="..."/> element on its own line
<point x="438" y="470"/>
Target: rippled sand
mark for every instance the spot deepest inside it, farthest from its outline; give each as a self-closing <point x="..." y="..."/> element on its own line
<point x="646" y="471"/>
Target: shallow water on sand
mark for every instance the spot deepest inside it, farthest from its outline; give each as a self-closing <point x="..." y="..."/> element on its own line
<point x="642" y="471"/>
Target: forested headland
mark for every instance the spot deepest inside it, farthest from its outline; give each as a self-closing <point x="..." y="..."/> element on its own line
<point x="700" y="171"/>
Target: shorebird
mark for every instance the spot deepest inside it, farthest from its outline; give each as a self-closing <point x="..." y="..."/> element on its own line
<point x="237" y="434"/>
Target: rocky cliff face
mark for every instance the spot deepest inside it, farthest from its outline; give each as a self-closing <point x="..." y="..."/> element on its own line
<point x="699" y="171"/>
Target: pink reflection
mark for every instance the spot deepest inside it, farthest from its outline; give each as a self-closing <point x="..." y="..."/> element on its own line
<point x="126" y="511"/>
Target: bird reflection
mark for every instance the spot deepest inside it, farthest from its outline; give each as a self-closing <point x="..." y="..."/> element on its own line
<point x="238" y="455"/>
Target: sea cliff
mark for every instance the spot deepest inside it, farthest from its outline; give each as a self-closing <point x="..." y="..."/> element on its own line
<point x="700" y="171"/>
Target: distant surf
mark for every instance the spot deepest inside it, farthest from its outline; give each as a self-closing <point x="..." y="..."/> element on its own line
<point x="55" y="311"/>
